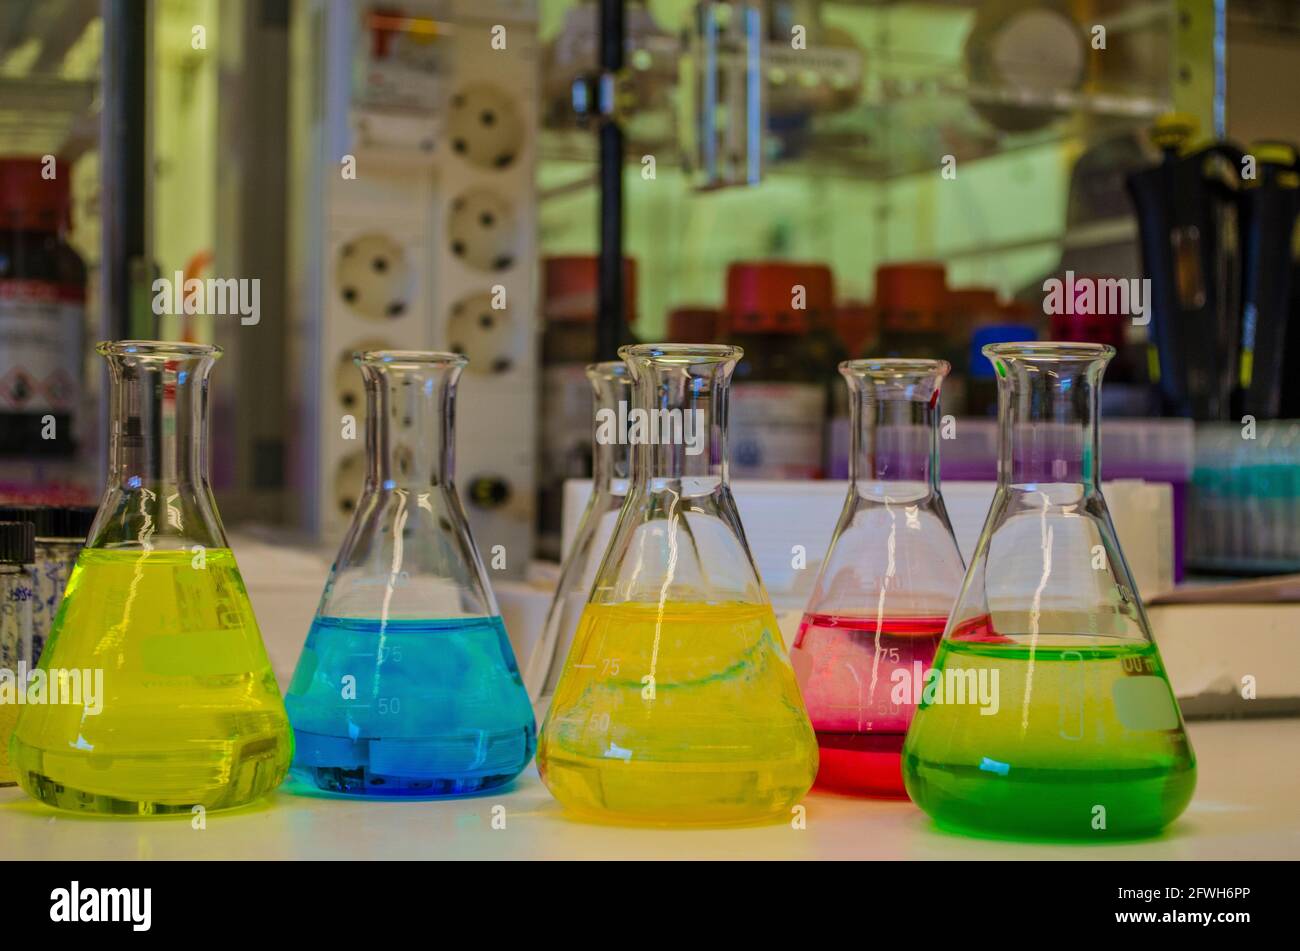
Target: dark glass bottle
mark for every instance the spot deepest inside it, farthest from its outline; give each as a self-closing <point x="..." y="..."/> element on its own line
<point x="42" y="299"/>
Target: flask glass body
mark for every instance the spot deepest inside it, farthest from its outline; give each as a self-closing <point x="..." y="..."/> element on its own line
<point x="1051" y="714"/>
<point x="885" y="588"/>
<point x="407" y="685"/>
<point x="160" y="693"/>
<point x="677" y="703"/>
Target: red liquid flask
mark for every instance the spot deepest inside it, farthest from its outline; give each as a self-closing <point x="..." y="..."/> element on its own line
<point x="882" y="597"/>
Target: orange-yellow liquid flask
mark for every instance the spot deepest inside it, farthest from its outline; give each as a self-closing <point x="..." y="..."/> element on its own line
<point x="159" y="696"/>
<point x="677" y="704"/>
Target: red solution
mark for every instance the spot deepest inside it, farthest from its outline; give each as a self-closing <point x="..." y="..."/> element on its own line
<point x="857" y="675"/>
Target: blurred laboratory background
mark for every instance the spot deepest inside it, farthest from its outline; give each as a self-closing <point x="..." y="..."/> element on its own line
<point x="534" y="182"/>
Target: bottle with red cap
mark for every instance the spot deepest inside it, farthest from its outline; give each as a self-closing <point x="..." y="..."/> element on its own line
<point x="42" y="303"/>
<point x="694" y="324"/>
<point x="781" y="315"/>
<point x="912" y="299"/>
<point x="857" y="325"/>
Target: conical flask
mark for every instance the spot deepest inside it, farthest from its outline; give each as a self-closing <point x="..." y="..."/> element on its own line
<point x="612" y="389"/>
<point x="407" y="684"/>
<point x="159" y="694"/>
<point x="884" y="591"/>
<point x="677" y="703"/>
<point x="1049" y="713"/>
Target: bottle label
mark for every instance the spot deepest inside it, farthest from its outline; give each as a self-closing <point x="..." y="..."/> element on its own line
<point x="776" y="430"/>
<point x="53" y="567"/>
<point x="40" y="350"/>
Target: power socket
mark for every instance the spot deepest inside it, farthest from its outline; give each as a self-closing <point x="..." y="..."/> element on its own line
<point x="484" y="126"/>
<point x="487" y="336"/>
<point x="373" y="277"/>
<point x="483" y="230"/>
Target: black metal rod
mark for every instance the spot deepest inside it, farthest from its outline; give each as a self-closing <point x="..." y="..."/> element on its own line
<point x="611" y="323"/>
<point x="125" y="163"/>
<point x="610" y="320"/>
<point x="613" y="34"/>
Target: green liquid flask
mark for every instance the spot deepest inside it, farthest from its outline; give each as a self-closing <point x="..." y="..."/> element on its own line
<point x="1048" y="713"/>
<point x="159" y="696"/>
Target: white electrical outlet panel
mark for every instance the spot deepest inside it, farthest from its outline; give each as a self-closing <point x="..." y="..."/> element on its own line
<point x="431" y="245"/>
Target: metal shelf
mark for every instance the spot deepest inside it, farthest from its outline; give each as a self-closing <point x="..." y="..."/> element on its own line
<point x="50" y="116"/>
<point x="914" y="105"/>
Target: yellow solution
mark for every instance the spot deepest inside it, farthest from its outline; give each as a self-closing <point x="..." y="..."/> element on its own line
<point x="681" y="714"/>
<point x="190" y="711"/>
<point x="8" y="717"/>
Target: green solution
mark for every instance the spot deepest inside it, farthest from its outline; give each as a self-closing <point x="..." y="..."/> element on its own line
<point x="189" y="715"/>
<point x="1086" y="742"/>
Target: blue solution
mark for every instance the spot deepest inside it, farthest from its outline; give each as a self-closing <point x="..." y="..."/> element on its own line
<point x="416" y="708"/>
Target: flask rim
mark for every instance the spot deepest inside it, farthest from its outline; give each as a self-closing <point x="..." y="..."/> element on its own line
<point x="608" y="370"/>
<point x="158" y="348"/>
<point x="431" y="359"/>
<point x="1047" y="350"/>
<point x="682" y="353"/>
<point x="896" y="366"/>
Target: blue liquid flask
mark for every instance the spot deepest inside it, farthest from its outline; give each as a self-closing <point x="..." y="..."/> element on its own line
<point x="407" y="685"/>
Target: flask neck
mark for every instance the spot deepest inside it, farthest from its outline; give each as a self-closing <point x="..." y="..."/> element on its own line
<point x="158" y="493"/>
<point x="410" y="419"/>
<point x="1048" y="406"/>
<point x="159" y="416"/>
<point x="678" y="427"/>
<point x="612" y="393"/>
<point x="895" y="419"/>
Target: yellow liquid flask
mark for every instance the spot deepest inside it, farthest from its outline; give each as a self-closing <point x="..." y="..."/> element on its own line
<point x="159" y="694"/>
<point x="17" y="556"/>
<point x="610" y="470"/>
<point x="1048" y="713"/>
<point x="677" y="704"/>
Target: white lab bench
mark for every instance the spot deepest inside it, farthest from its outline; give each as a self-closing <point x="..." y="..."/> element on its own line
<point x="1247" y="806"/>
